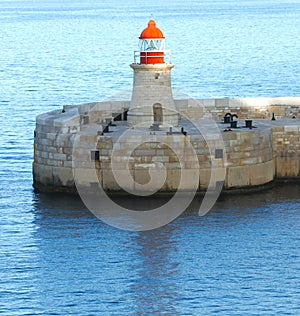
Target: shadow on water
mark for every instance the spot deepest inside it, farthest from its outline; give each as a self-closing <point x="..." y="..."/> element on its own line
<point x="60" y="205"/>
<point x="280" y="193"/>
<point x="68" y="205"/>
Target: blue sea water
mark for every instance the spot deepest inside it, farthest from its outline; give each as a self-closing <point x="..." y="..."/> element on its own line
<point x="56" y="258"/>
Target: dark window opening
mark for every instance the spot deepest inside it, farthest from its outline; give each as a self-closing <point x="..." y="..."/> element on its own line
<point x="95" y="155"/>
<point x="219" y="153"/>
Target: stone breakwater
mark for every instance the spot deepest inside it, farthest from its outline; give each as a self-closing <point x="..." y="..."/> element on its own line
<point x="76" y="139"/>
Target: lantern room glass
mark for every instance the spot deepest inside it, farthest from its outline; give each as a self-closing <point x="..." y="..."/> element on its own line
<point x="152" y="45"/>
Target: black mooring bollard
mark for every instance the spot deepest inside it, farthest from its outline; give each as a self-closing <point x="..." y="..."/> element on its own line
<point x="248" y="123"/>
<point x="227" y="118"/>
<point x="233" y="124"/>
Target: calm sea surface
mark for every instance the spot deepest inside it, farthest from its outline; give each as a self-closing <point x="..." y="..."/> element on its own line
<point x="56" y="258"/>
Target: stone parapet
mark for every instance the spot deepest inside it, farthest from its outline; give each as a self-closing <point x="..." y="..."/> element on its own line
<point x="245" y="108"/>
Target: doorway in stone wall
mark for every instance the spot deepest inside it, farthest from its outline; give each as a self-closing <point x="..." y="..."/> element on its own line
<point x="157" y="113"/>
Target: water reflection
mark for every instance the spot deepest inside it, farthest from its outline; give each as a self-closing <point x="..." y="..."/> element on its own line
<point x="155" y="289"/>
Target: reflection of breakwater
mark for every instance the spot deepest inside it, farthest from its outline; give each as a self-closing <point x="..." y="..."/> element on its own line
<point x="252" y="157"/>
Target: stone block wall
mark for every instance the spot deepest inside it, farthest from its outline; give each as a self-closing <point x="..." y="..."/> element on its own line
<point x="140" y="159"/>
<point x="286" y="143"/>
<point x="253" y="157"/>
<point x="249" y="158"/>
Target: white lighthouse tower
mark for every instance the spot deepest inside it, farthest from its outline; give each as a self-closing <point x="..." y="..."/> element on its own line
<point x="152" y="100"/>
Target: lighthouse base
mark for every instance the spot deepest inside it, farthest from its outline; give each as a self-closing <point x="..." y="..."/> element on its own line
<point x="140" y="119"/>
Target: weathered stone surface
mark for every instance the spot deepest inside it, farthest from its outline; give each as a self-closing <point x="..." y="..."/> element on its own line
<point x="63" y="176"/>
<point x="261" y="173"/>
<point x="287" y="167"/>
<point x="237" y="177"/>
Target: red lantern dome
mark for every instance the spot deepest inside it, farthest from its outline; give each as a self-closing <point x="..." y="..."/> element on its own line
<point x="151" y="31"/>
<point x="152" y="45"/>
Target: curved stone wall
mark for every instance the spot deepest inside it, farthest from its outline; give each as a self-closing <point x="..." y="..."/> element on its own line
<point x="249" y="158"/>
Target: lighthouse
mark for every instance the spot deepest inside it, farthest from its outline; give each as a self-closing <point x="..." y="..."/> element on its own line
<point x="152" y="101"/>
